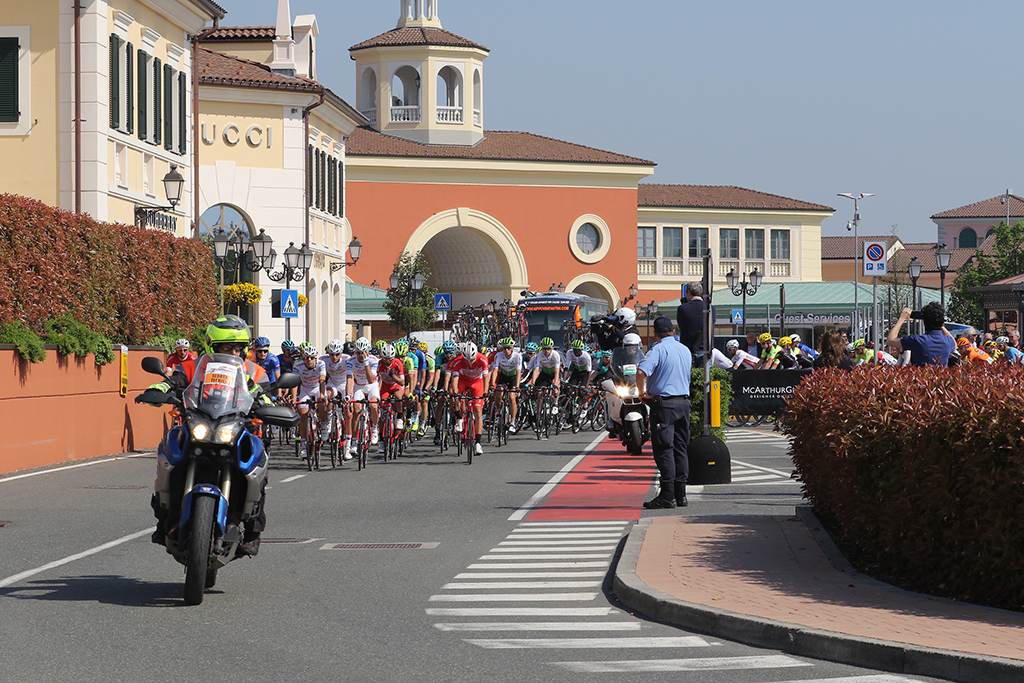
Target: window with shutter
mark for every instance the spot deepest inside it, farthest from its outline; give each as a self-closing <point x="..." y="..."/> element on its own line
<point x="114" y="81"/>
<point x="341" y="188"/>
<point x="9" y="108"/>
<point x="156" y="101"/>
<point x="169" y="81"/>
<point x="309" y="175"/>
<point x="129" y="90"/>
<point x="182" y="113"/>
<point x="319" y="184"/>
<point x="143" y="94"/>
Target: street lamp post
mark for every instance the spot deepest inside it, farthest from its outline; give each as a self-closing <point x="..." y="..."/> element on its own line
<point x="852" y="225"/>
<point x="355" y="248"/>
<point x="241" y="252"/>
<point x="415" y="283"/>
<point x="914" y="270"/>
<point x="174" y="183"/>
<point x="942" y="257"/>
<point x="297" y="263"/>
<point x="1005" y="199"/>
<point x="732" y="280"/>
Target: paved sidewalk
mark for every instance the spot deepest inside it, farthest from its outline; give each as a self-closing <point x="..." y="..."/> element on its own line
<point x="779" y="582"/>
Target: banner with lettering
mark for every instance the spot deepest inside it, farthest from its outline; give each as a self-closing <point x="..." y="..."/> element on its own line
<point x="763" y="392"/>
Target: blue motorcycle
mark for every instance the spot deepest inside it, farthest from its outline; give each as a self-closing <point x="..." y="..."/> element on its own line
<point x="211" y="469"/>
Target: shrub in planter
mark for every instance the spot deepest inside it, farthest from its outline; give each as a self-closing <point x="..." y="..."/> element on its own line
<point x="27" y="342"/>
<point x="697" y="400"/>
<point x="72" y="337"/>
<point x="919" y="474"/>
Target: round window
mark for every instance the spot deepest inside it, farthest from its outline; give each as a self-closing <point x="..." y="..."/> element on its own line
<point x="588" y="239"/>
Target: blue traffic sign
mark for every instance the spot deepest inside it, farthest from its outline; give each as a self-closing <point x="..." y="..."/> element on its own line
<point x="737" y="316"/>
<point x="442" y="302"/>
<point x="289" y="303"/>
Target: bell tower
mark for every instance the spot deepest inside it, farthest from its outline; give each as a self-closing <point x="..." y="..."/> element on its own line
<point x="421" y="82"/>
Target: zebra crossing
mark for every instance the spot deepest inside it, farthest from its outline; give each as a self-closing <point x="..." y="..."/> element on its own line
<point x="745" y="473"/>
<point x="540" y="589"/>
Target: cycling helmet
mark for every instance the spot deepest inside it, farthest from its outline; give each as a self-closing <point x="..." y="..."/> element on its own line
<point x="387" y="352"/>
<point x="849" y="348"/>
<point x="732" y="344"/>
<point x="450" y="347"/>
<point x="507" y="342"/>
<point x="989" y="343"/>
<point x="363" y="345"/>
<point x="184" y="344"/>
<point x="401" y="348"/>
<point x="310" y="351"/>
<point x="631" y="339"/>
<point x="424" y="346"/>
<point x="531" y="347"/>
<point x="1000" y="341"/>
<point x="578" y="344"/>
<point x="786" y="341"/>
<point x="963" y="341"/>
<point x="484" y="350"/>
<point x="303" y="345"/>
<point x="859" y="344"/>
<point x="348" y="348"/>
<point x="764" y="337"/>
<point x="439" y="350"/>
<point x="469" y="350"/>
<point x="379" y="344"/>
<point x="288" y="345"/>
<point x="625" y="316"/>
<point x="225" y="330"/>
<point x="334" y="347"/>
<point x="259" y="343"/>
<point x="547" y="343"/>
<point x="795" y="338"/>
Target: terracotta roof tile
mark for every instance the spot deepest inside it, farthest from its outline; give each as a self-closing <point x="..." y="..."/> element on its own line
<point x="216" y="68"/>
<point x="242" y="33"/>
<point x="987" y="208"/>
<point x="925" y="253"/>
<point x="844" y="247"/>
<point x="400" y="37"/>
<point x="496" y="145"/>
<point x="719" y="197"/>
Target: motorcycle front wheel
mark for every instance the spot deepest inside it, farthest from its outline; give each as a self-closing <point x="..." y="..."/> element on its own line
<point x="200" y="545"/>
<point x="633" y="438"/>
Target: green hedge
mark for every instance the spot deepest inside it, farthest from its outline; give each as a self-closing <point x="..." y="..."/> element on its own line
<point x="919" y="474"/>
<point x="697" y="400"/>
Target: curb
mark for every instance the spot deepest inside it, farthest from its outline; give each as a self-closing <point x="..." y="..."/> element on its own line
<point x="800" y="640"/>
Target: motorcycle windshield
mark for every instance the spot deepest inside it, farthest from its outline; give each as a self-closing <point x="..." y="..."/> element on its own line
<point x="624" y="363"/>
<point x="219" y="386"/>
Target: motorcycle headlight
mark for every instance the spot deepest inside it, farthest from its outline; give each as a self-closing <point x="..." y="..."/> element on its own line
<point x="226" y="433"/>
<point x="200" y="431"/>
<point x="622" y="391"/>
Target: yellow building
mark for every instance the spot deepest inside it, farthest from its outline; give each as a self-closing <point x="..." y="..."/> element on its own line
<point x="121" y="71"/>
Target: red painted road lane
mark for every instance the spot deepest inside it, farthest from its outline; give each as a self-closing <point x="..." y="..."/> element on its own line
<point x="607" y="484"/>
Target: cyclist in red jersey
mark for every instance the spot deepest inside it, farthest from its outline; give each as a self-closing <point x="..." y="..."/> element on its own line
<point x="391" y="374"/>
<point x="180" y="355"/>
<point x="471" y="370"/>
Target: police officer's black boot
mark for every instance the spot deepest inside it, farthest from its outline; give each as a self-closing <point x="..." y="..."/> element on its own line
<point x="662" y="501"/>
<point x="680" y="489"/>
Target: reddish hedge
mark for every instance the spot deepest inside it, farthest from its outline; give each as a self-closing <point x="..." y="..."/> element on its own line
<point x="124" y="282"/>
<point x="919" y="473"/>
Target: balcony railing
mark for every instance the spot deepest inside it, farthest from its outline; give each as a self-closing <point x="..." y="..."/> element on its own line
<point x="780" y="269"/>
<point x="671" y="267"/>
<point x="646" y="267"/>
<point x="371" y="115"/>
<point x="694" y="267"/>
<point x="477" y="117"/>
<point x="405" y="114"/>
<point x="449" y="114"/>
<point x="725" y="266"/>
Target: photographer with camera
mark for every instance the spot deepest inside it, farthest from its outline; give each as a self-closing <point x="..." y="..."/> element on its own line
<point x="931" y="348"/>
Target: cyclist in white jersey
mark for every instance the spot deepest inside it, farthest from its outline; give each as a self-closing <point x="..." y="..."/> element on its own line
<point x="313" y="381"/>
<point x="336" y="362"/>
<point x="579" y="363"/>
<point x="362" y="383"/>
<point x="545" y="369"/>
<point x="508" y="372"/>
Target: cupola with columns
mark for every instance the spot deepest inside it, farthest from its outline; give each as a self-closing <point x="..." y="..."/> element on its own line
<point x="421" y="82"/>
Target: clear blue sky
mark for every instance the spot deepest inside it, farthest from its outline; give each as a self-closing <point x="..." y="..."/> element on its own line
<point x="911" y="100"/>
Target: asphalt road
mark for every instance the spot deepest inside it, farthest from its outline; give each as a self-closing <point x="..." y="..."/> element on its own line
<point x="85" y="596"/>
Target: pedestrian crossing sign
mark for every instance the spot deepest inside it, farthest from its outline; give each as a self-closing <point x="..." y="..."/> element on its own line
<point x="284" y="303"/>
<point x="442" y="302"/>
<point x="737" y="316"/>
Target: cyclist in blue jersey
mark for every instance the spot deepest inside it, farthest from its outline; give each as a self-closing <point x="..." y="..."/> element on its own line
<point x="262" y="355"/>
<point x="420" y="359"/>
<point x="289" y="352"/>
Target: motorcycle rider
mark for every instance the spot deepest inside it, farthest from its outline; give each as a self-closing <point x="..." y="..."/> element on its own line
<point x="228" y="334"/>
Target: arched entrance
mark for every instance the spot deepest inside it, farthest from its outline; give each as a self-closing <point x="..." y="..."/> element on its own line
<point x="472" y="255"/>
<point x="597" y="286"/>
<point x="230" y="221"/>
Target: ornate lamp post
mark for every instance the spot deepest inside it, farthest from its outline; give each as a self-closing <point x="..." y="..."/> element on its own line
<point x="914" y="270"/>
<point x="355" y="248"/>
<point x="852" y="225"/>
<point x="632" y="294"/>
<point x="732" y="280"/>
<point x="942" y="257"/>
<point x="174" y="183"/>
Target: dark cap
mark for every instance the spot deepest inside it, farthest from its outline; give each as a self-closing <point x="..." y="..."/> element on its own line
<point x="663" y="326"/>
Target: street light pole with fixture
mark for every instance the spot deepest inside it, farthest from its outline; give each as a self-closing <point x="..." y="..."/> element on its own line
<point x="732" y="280"/>
<point x="914" y="270"/>
<point x="852" y="225"/>
<point x="174" y="183"/>
<point x="942" y="257"/>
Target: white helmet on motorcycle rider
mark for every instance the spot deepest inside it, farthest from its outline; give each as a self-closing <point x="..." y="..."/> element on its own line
<point x="626" y="317"/>
<point x="631" y="339"/>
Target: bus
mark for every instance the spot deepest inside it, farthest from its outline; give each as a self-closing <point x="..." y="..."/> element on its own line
<point x="546" y="314"/>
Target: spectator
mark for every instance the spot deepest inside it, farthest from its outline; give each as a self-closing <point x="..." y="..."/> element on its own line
<point x="833" y="353"/>
<point x="931" y="348"/>
<point x="663" y="380"/>
<point x="753" y="348"/>
<point x="690" y="318"/>
<point x="1014" y="336"/>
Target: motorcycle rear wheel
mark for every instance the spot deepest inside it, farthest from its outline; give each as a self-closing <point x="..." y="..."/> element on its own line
<point x="200" y="545"/>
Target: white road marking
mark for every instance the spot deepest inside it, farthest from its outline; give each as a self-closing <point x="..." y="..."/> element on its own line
<point x="612" y="542"/>
<point x="520" y="611"/>
<point x="553" y="482"/>
<point x="520" y="584"/>
<point x="695" y="664"/>
<point x="297" y="476"/>
<point x="566" y="556"/>
<point x="515" y="597"/>
<point x="567" y="529"/>
<point x="536" y="565"/>
<point x="527" y="575"/>
<point x="757" y="477"/>
<point x="573" y="523"/>
<point x="541" y="626"/>
<point x="72" y="467"/>
<point x="519" y="535"/>
<point x="763" y="469"/>
<point x="876" y="678"/>
<point x="586" y="643"/>
<point x="71" y="558"/>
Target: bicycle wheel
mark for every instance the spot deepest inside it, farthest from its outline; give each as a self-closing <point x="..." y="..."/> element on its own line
<point x="468" y="429"/>
<point x="362" y="439"/>
<point x="599" y="414"/>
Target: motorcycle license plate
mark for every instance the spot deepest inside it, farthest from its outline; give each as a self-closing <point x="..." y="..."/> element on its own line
<point x="628" y="370"/>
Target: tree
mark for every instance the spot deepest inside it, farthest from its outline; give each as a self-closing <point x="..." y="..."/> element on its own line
<point x="1006" y="260"/>
<point x="409" y="309"/>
